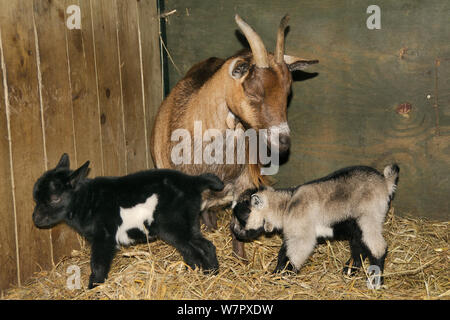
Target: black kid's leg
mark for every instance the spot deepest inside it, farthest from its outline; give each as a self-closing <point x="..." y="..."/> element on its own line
<point x="195" y="252"/>
<point x="207" y="252"/>
<point x="102" y="254"/>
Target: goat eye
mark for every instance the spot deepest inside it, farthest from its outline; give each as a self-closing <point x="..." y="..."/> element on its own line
<point x="255" y="201"/>
<point x="55" y="199"/>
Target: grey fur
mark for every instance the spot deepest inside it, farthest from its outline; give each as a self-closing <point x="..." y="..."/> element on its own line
<point x="309" y="211"/>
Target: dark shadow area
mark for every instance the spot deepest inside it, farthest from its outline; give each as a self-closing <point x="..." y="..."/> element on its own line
<point x="242" y="39"/>
<point x="300" y="76"/>
<point x="165" y="64"/>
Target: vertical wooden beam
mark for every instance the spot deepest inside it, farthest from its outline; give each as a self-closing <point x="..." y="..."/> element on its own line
<point x="80" y="52"/>
<point x="134" y="113"/>
<point x="56" y="99"/>
<point x="8" y="253"/>
<point x="27" y="149"/>
<point x="148" y="27"/>
<point x="109" y="89"/>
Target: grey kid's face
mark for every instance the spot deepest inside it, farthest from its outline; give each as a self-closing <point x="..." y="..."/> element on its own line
<point x="248" y="218"/>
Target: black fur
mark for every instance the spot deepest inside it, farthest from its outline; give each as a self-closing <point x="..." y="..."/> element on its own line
<point x="283" y="263"/>
<point x="241" y="212"/>
<point x="92" y="208"/>
<point x="242" y="209"/>
<point x="349" y="230"/>
<point x="200" y="73"/>
<point x="344" y="172"/>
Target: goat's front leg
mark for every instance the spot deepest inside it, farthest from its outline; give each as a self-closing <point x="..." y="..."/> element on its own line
<point x="102" y="254"/>
<point x="237" y="232"/>
<point x="238" y="247"/>
<point x="299" y="248"/>
<point x="209" y="218"/>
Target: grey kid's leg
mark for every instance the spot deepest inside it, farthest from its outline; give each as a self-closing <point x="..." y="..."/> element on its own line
<point x="299" y="249"/>
<point x="283" y="261"/>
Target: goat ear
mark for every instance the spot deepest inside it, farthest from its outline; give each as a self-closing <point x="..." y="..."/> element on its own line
<point x="79" y="174"/>
<point x="64" y="162"/>
<point x="256" y="201"/>
<point x="295" y="63"/>
<point x="238" y="68"/>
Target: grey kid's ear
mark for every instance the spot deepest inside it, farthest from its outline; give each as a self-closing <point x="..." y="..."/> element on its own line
<point x="295" y="63"/>
<point x="256" y="201"/>
<point x="64" y="162"/>
<point x="79" y="174"/>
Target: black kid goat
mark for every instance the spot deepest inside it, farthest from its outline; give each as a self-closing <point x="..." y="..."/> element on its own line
<point x="114" y="211"/>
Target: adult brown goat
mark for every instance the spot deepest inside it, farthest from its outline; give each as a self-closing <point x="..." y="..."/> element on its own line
<point x="246" y="91"/>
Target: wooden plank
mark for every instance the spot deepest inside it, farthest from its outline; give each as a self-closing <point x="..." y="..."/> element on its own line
<point x="86" y="116"/>
<point x="356" y="120"/>
<point x="109" y="90"/>
<point x="347" y="114"/>
<point x="8" y="256"/>
<point x="19" y="48"/>
<point x="136" y="140"/>
<point x="151" y="62"/>
<point x="56" y="101"/>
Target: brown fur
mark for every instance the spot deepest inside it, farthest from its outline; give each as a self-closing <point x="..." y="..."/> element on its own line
<point x="210" y="92"/>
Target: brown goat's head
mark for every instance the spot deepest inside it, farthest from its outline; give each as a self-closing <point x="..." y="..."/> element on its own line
<point x="261" y="83"/>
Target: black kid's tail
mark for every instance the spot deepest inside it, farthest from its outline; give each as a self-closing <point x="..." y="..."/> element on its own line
<point x="210" y="181"/>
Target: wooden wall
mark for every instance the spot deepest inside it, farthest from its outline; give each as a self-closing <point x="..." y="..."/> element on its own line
<point x="91" y="92"/>
<point x="347" y="114"/>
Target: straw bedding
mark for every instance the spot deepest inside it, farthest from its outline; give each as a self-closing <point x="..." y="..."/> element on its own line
<point x="417" y="267"/>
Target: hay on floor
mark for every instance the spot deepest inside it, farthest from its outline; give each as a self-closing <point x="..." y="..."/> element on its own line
<point x="417" y="267"/>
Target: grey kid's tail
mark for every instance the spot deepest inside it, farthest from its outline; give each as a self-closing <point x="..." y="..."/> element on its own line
<point x="391" y="176"/>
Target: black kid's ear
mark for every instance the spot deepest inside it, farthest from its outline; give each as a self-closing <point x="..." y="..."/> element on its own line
<point x="64" y="162"/>
<point x="79" y="174"/>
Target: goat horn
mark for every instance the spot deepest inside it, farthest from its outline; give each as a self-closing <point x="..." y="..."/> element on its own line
<point x="279" y="50"/>
<point x="256" y="44"/>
